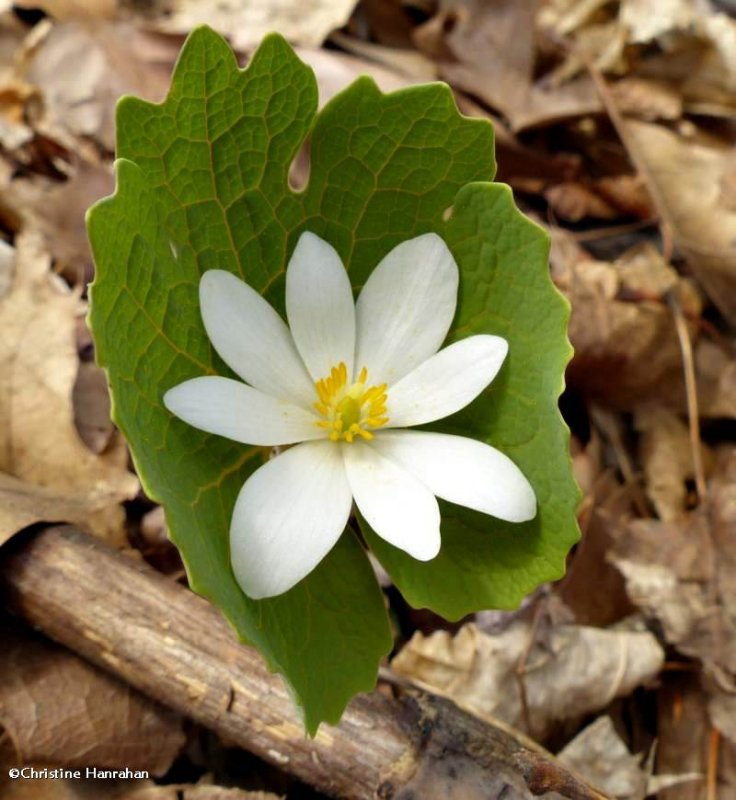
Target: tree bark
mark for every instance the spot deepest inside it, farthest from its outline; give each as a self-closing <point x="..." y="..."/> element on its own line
<point x="122" y="615"/>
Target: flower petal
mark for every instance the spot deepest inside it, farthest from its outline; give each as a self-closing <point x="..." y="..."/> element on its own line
<point x="287" y="517"/>
<point x="230" y="408"/>
<point x="398" y="507"/>
<point x="463" y="471"/>
<point x="252" y="339"/>
<point x="405" y="309"/>
<point x="445" y="382"/>
<point x="320" y="307"/>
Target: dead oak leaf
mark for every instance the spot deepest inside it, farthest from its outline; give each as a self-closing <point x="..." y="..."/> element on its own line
<point x="39" y="443"/>
<point x="57" y="709"/>
<point x="683" y="574"/>
<point x="477" y="58"/>
<point x="23" y="504"/>
<point x="577" y="670"/>
<point x="691" y="185"/>
<point x="81" y="71"/>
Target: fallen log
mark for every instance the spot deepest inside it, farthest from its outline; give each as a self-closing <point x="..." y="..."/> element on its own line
<point x="134" y="622"/>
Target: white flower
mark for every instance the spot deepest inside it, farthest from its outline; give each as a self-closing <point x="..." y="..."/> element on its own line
<point x="343" y="381"/>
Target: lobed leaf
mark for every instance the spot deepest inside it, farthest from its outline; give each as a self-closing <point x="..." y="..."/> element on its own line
<point x="202" y="183"/>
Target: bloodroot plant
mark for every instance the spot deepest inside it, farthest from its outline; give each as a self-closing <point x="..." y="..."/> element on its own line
<point x="391" y="328"/>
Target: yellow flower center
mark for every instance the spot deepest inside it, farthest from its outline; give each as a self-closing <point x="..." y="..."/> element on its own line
<point x="350" y="411"/>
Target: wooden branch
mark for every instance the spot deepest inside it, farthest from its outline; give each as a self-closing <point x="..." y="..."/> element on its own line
<point x="158" y="636"/>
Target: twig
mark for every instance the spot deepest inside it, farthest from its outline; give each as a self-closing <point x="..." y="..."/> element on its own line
<point x="173" y="646"/>
<point x="594" y="234"/>
<point x="691" y="392"/>
<point x="520" y="671"/>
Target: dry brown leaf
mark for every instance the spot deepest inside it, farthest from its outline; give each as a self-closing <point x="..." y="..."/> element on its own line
<point x="573" y="201"/>
<point x="7" y="266"/>
<point x="666" y="456"/>
<point x="649" y="19"/>
<point x="669" y="568"/>
<point x="593" y="589"/>
<point x="647" y="98"/>
<point x="201" y="791"/>
<point x="82" y="70"/>
<point x="153" y="527"/>
<point x="683" y="574"/>
<point x="690" y="186"/>
<point x="91" y="400"/>
<point x="410" y="63"/>
<point x="566" y="16"/>
<point x="58" y="211"/>
<point x="334" y="71"/>
<point x="571" y="671"/>
<point x="715" y="368"/>
<point x="39" y="443"/>
<point x="71" y="789"/>
<point x="627" y="193"/>
<point x="302" y="22"/>
<point x="683" y="739"/>
<point x="600" y="756"/>
<point x="23" y="504"/>
<point x="73" y="9"/>
<point x="711" y="88"/>
<point x="222" y="793"/>
<point x="626" y="346"/>
<point x="484" y="65"/>
<point x="14" y="92"/>
<point x="57" y="709"/>
<point x="389" y="21"/>
<point x="91" y="789"/>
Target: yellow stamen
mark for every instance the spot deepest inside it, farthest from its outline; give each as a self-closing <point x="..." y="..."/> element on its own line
<point x="349" y="411"/>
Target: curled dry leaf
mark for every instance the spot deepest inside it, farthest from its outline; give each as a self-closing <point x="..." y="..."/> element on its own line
<point x="693" y="187"/>
<point x="57" y="709"/>
<point x="39" y="443"/>
<point x="600" y="756"/>
<point x="572" y="671"/>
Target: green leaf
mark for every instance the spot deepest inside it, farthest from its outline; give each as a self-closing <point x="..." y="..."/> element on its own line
<point x="505" y="289"/>
<point x="202" y="184"/>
